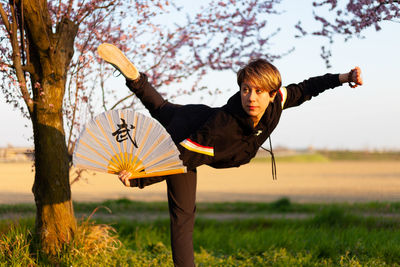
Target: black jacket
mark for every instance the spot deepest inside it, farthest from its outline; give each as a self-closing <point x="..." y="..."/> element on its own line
<point x="224" y="137"/>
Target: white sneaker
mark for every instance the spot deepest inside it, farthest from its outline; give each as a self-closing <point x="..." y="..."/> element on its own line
<point x="113" y="55"/>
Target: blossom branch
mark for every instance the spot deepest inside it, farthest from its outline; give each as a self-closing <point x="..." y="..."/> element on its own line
<point x="5" y="19"/>
<point x="102" y="80"/>
<point x="122" y="100"/>
<point x="2" y="63"/>
<point x="69" y="9"/>
<point x="16" y="57"/>
<point x="170" y="49"/>
<point x="89" y="12"/>
<point x="73" y="112"/>
<point x="355" y="18"/>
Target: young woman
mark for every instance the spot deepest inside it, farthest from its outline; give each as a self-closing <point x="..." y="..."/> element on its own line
<point x="223" y="137"/>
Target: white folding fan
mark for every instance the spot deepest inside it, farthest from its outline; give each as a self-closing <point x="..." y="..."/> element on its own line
<point x="119" y="140"/>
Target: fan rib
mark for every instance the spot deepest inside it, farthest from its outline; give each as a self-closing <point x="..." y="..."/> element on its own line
<point x="134" y="162"/>
<point x="153" y="147"/>
<point x="158" y="159"/>
<point x="86" y="145"/>
<point x="98" y="142"/>
<point x="114" y="164"/>
<point x="111" y="124"/>
<point x="108" y="140"/>
<point x="122" y="116"/>
<point x="143" y="141"/>
<point x="134" y="130"/>
<point x="90" y="160"/>
<point x="127" y="162"/>
<point x="163" y="166"/>
<point x="81" y="166"/>
<point x="125" y="165"/>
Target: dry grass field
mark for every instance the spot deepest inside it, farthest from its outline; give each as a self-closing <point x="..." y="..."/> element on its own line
<point x="336" y="181"/>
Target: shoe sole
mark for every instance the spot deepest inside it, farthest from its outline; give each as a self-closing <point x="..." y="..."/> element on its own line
<point x="113" y="55"/>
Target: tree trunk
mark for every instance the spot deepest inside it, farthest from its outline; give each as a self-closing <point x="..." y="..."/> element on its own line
<point x="55" y="220"/>
<point x="50" y="52"/>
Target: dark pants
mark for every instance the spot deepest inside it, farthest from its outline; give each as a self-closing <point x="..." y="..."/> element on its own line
<point x="182" y="207"/>
<point x="181" y="187"/>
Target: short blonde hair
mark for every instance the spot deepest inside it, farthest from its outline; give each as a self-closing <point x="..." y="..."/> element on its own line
<point x="262" y="73"/>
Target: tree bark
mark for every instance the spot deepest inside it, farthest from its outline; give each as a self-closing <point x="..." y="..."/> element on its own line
<point x="55" y="220"/>
<point x="50" y="52"/>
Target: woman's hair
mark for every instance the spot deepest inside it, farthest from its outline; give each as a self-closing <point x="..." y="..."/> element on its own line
<point x="262" y="74"/>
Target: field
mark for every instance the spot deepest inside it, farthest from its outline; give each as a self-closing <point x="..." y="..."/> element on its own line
<point x="315" y="181"/>
<point x="318" y="213"/>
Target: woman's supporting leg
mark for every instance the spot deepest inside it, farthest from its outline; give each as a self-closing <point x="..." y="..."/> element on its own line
<point x="182" y="207"/>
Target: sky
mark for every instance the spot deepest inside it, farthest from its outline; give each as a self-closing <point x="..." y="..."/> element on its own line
<point x="367" y="117"/>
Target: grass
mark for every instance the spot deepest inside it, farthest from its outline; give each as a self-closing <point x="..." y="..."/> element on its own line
<point x="333" y="235"/>
<point x="283" y="205"/>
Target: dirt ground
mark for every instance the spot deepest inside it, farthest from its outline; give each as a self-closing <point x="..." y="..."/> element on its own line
<point x="301" y="182"/>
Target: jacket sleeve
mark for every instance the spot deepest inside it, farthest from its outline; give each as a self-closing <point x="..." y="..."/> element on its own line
<point x="198" y="148"/>
<point x="296" y="94"/>
<point x="149" y="96"/>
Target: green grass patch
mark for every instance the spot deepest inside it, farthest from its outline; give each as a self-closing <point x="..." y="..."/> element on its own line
<point x="17" y="208"/>
<point x="282" y="205"/>
<point x="332" y="238"/>
<point x="333" y="235"/>
<point x="121" y="206"/>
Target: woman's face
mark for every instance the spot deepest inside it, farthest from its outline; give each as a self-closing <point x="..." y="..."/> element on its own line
<point x="255" y="100"/>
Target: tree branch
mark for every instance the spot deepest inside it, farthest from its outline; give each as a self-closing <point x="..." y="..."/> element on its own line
<point x="122" y="100"/>
<point x="166" y="52"/>
<point x="16" y="57"/>
<point x="38" y="16"/>
<point x="58" y="17"/>
<point x="89" y="12"/>
<point x="101" y="75"/>
<point x="6" y="64"/>
<point x="73" y="112"/>
<point x="21" y="30"/>
<point x="5" y="19"/>
<point x="26" y="68"/>
<point x="69" y="9"/>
